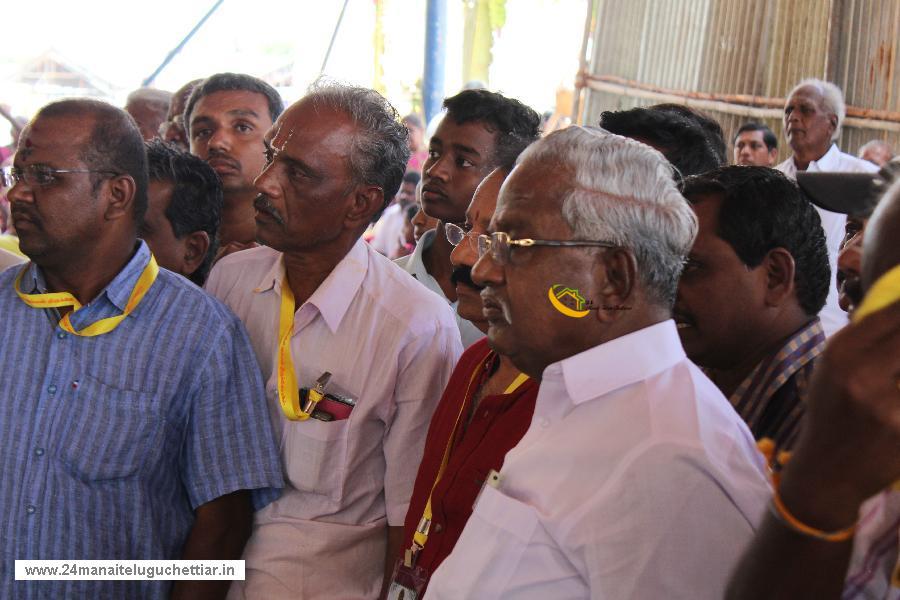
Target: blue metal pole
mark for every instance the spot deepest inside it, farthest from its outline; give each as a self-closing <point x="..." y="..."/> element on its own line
<point x="435" y="49"/>
<point x="181" y="44"/>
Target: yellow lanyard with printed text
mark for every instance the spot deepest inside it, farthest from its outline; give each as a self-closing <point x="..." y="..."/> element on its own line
<point x="421" y="534"/>
<point x="62" y="299"/>
<point x="288" y="390"/>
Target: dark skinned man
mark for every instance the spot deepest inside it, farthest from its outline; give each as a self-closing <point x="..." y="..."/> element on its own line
<point x="636" y="479"/>
<point x="155" y="454"/>
<point x="834" y="523"/>
<point x="813" y="115"/>
<point x="329" y="314"/>
<point x="756" y="277"/>
<point x="484" y="411"/>
<point x="479" y="129"/>
<point x="226" y="117"/>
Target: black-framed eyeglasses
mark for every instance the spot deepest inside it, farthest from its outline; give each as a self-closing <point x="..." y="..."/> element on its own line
<point x="38" y="175"/>
<point x="456" y="234"/>
<point x="499" y="243"/>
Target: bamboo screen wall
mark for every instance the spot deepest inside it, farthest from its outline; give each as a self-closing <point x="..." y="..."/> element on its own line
<point x="738" y="59"/>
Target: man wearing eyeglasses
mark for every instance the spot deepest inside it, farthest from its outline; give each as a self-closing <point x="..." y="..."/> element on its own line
<point x="133" y="422"/>
<point x="636" y="478"/>
<point x="479" y="131"/>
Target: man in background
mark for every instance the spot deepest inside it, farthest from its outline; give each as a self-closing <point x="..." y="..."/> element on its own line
<point x="148" y="107"/>
<point x="813" y="115"/>
<point x="756" y="145"/>
<point x="877" y="152"/>
<point x="182" y="219"/>
<point x="226" y="117"/>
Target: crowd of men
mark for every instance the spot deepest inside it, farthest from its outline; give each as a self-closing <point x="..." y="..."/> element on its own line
<point x="610" y="365"/>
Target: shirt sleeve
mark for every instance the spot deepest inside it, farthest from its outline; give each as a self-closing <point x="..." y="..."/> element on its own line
<point x="229" y="443"/>
<point x="426" y="364"/>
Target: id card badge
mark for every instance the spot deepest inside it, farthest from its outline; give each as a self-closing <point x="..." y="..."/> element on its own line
<point x="407" y="583"/>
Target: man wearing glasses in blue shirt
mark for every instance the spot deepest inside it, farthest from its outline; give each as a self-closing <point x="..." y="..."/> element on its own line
<point x="132" y="414"/>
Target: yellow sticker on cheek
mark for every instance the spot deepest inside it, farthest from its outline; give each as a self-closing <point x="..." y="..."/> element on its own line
<point x="568" y="301"/>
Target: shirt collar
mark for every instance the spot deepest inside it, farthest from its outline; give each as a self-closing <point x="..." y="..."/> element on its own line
<point x="416" y="264"/>
<point x="827" y="162"/>
<point x="333" y="297"/>
<point x="620" y="362"/>
<point x="117" y="291"/>
<point x="774" y="371"/>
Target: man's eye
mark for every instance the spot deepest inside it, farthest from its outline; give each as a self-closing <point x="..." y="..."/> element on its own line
<point x="243" y="128"/>
<point x="42" y="176"/>
<point x="201" y="133"/>
<point x="434" y="154"/>
<point x="464" y="163"/>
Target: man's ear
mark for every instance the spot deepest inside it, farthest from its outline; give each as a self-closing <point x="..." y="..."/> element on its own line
<point x="119" y="194"/>
<point x="196" y="245"/>
<point x="780" y="269"/>
<point x="367" y="200"/>
<point x="616" y="270"/>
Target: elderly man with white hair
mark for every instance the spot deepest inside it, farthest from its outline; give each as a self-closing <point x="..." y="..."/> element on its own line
<point x="813" y="115"/>
<point x="636" y="478"/>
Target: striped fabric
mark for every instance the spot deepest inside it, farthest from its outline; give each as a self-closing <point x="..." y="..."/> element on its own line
<point x="772" y="399"/>
<point x="109" y="443"/>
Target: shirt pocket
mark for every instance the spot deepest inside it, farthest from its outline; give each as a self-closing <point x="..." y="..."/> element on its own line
<point x="109" y="433"/>
<point x="315" y="455"/>
<point x="501" y="528"/>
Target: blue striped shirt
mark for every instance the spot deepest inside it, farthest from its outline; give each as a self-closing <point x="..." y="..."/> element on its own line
<point x="109" y="443"/>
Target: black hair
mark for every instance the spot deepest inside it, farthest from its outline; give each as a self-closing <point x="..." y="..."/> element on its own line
<point x="412" y="177"/>
<point x="515" y="124"/>
<point x="761" y="210"/>
<point x="196" y="203"/>
<point x="768" y="136"/>
<point x="230" y="82"/>
<point x="689" y="140"/>
<point x="114" y="145"/>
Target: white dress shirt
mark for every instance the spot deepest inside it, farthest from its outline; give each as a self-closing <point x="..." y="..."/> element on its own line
<point x="636" y="479"/>
<point x="389" y="344"/>
<point x="832" y="315"/>
<point x="415" y="266"/>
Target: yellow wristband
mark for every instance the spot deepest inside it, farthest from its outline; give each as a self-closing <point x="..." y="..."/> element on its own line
<point x="785" y="516"/>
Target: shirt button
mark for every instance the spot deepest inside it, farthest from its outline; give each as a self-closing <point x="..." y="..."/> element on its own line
<point x="30" y="509"/>
<point x="51" y="388"/>
<point x="545" y="423"/>
<point x="438" y="528"/>
<point x="60" y="335"/>
<point x="38" y="451"/>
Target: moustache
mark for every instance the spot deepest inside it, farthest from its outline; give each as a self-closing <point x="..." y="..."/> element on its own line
<point x="463" y="274"/>
<point x="264" y="205"/>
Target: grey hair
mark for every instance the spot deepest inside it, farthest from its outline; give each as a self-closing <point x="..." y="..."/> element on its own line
<point x="379" y="152"/>
<point x="158" y="99"/>
<point x="832" y="98"/>
<point x="622" y="191"/>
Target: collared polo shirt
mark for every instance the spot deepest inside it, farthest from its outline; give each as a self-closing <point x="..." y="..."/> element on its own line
<point x="832" y="315"/>
<point x="496" y="426"/>
<point x="636" y="479"/>
<point x="772" y="398"/>
<point x="390" y="345"/>
<point x="110" y="443"/>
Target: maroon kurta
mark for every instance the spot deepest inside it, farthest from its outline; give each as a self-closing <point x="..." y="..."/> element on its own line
<point x="498" y="425"/>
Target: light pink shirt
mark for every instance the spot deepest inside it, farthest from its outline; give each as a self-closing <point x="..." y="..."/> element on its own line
<point x="390" y="345"/>
<point x="832" y="315"/>
<point x="636" y="480"/>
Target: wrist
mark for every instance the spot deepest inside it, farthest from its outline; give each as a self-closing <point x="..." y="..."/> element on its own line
<point x="821" y="501"/>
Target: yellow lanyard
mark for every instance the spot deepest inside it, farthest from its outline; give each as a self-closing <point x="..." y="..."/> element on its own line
<point x="421" y="534"/>
<point x="884" y="292"/>
<point x="288" y="390"/>
<point x="60" y="299"/>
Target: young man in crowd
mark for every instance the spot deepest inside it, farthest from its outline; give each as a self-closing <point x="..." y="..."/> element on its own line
<point x="479" y="130"/>
<point x="755" y="145"/>
<point x="226" y="117"/>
